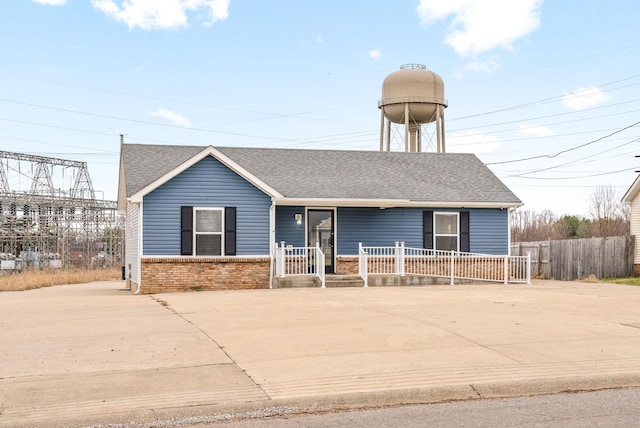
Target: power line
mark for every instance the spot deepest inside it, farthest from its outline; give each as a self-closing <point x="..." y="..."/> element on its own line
<point x="567" y="150"/>
<point x="576" y="177"/>
<point x="544" y="100"/>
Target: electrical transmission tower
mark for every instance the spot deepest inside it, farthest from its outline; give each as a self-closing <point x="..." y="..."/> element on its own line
<point x="50" y="225"/>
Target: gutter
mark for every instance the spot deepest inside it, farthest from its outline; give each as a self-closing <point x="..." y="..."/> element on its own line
<point x="139" y="261"/>
<point x="272" y="240"/>
<point x="391" y="203"/>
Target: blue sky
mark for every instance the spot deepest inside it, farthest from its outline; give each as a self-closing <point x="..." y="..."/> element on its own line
<point x="546" y="93"/>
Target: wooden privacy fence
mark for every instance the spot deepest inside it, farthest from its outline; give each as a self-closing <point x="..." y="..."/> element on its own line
<point x="570" y="259"/>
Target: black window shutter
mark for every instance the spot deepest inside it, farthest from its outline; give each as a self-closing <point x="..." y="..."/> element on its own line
<point x="186" y="231"/>
<point x="464" y="231"/>
<point x="230" y="231"/>
<point x="427" y="229"/>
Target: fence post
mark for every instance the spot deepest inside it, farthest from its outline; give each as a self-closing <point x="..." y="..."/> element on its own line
<point x="402" y="258"/>
<point x="396" y="258"/>
<point x="529" y="267"/>
<point x="280" y="261"/>
<point x="506" y="269"/>
<point x="362" y="264"/>
<point x="452" y="266"/>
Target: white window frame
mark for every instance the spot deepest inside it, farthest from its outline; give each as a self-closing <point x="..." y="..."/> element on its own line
<point x="196" y="233"/>
<point x="435" y="229"/>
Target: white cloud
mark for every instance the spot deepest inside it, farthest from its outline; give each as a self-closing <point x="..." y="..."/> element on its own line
<point x="583" y="98"/>
<point x="471" y="142"/>
<point x="52" y="2"/>
<point x="482" y="25"/>
<point x="161" y="14"/>
<point x="488" y="66"/>
<point x="536" y="130"/>
<point x="173" y="117"/>
<point x="375" y="54"/>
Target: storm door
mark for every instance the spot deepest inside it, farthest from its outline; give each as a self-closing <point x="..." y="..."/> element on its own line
<point x="320" y="229"/>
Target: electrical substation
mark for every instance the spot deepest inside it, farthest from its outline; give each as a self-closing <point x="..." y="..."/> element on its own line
<point x="50" y="216"/>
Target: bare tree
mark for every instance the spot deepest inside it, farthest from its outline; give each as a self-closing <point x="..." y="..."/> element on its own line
<point x="608" y="215"/>
<point x="531" y="225"/>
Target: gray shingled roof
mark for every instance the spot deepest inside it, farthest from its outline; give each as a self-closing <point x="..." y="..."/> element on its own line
<point x="338" y="174"/>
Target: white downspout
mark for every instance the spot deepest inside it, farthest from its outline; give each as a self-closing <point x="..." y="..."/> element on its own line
<point x="272" y="240"/>
<point x="509" y="211"/>
<point x="139" y="250"/>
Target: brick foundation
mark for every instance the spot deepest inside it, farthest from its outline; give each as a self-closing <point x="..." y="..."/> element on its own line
<point x="347" y="265"/>
<point x="162" y="275"/>
<point x="636" y="269"/>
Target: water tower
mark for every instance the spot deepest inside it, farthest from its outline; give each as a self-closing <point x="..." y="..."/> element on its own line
<point x="412" y="97"/>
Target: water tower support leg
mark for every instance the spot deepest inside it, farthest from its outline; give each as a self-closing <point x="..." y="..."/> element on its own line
<point x="406" y="127"/>
<point x="442" y="127"/>
<point x="382" y="129"/>
<point x="440" y="149"/>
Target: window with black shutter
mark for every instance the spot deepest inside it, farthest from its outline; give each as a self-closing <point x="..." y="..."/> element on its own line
<point x="427" y="229"/>
<point x="464" y="232"/>
<point x="208" y="231"/>
<point x="230" y="231"/>
<point x="446" y="231"/>
<point x="186" y="231"/>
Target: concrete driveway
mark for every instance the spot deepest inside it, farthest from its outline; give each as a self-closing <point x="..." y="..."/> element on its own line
<point x="94" y="353"/>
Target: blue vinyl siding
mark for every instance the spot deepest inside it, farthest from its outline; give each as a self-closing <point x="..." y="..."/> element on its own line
<point x="488" y="228"/>
<point x="286" y="228"/>
<point x="208" y="183"/>
<point x="489" y="231"/>
<point x="375" y="227"/>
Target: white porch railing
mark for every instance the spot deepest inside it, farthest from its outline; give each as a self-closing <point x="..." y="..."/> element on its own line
<point x="399" y="260"/>
<point x="300" y="261"/>
<point x="362" y="264"/>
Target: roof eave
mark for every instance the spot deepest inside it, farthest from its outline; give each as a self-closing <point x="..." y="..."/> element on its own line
<point x="390" y="203"/>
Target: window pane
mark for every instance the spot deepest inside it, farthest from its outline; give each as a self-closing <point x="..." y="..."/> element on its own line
<point x="208" y="220"/>
<point x="446" y="224"/>
<point x="208" y="245"/>
<point x="447" y="243"/>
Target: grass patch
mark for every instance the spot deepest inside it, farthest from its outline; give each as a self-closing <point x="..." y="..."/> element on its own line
<point x="28" y="280"/>
<point x="630" y="280"/>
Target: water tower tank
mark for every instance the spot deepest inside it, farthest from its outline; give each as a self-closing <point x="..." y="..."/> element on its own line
<point x="413" y="96"/>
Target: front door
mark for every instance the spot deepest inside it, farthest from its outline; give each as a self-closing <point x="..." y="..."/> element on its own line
<point x="320" y="229"/>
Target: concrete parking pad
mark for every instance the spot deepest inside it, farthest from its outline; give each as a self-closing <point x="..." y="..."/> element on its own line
<point x="94" y="352"/>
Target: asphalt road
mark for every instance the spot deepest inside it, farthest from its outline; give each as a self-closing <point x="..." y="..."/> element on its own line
<point x="610" y="408"/>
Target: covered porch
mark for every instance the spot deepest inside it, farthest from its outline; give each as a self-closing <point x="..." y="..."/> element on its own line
<point x="395" y="265"/>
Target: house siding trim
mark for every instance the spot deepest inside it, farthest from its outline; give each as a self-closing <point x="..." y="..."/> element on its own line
<point x="635" y="230"/>
<point x="132" y="247"/>
<point x="631" y="197"/>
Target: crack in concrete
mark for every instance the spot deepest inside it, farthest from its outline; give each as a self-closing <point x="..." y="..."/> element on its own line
<point x="473" y="388"/>
<point x="632" y="325"/>
<point x="166" y="305"/>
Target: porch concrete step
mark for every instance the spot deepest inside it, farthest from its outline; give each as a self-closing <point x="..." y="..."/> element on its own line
<point x="314" y="281"/>
<point x="343" y="281"/>
<point x="296" y="282"/>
